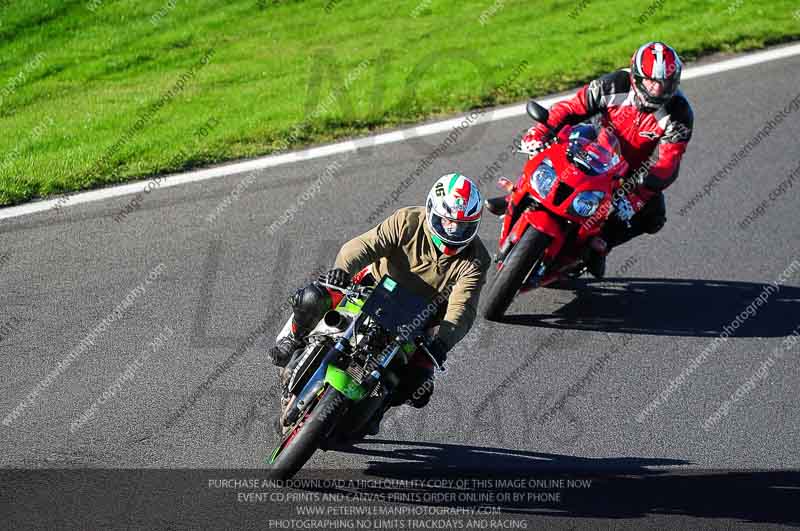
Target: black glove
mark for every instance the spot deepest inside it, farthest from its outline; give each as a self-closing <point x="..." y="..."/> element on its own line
<point x="336" y="277"/>
<point x="438" y="350"/>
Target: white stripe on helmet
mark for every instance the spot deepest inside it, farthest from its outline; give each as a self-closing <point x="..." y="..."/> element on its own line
<point x="660" y="65"/>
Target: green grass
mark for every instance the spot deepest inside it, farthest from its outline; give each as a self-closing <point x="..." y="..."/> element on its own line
<point x="103" y="63"/>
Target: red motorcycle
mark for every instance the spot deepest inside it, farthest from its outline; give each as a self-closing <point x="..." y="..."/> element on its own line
<point x="556" y="209"/>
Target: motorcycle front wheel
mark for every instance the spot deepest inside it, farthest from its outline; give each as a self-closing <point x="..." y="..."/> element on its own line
<point x="515" y="269"/>
<point x="307" y="434"/>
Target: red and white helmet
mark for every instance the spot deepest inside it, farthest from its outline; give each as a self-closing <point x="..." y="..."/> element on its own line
<point x="453" y="212"/>
<point x="655" y="75"/>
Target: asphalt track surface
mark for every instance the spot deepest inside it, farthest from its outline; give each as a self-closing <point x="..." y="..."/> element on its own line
<point x="558" y="387"/>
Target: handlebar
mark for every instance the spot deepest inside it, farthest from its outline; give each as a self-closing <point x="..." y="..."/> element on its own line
<point x="352" y="289"/>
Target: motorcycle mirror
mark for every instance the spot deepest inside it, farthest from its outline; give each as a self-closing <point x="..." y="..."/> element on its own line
<point x="505" y="184"/>
<point x="537" y="112"/>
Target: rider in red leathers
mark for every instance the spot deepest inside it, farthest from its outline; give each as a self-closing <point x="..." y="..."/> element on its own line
<point x="653" y="122"/>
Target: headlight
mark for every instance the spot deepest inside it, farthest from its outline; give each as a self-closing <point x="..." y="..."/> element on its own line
<point x="585" y="203"/>
<point x="543" y="178"/>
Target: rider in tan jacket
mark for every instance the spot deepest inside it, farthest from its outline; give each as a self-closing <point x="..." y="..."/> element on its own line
<point x="402" y="247"/>
<point x="433" y="251"/>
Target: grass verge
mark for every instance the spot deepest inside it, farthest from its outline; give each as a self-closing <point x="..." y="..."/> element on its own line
<point x="97" y="92"/>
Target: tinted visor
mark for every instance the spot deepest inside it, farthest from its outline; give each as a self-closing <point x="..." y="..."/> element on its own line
<point x="454" y="232"/>
<point x="657" y="90"/>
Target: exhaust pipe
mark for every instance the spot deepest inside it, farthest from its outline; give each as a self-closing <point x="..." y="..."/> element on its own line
<point x="335" y="319"/>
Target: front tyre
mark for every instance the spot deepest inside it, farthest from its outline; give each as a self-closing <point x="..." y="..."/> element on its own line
<point x="516" y="267"/>
<point x="308" y="434"/>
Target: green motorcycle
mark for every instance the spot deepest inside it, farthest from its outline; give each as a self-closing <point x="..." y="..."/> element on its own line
<point x="346" y="373"/>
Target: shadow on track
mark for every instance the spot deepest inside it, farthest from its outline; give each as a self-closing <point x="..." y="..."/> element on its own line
<point x="673" y="307"/>
<point x="621" y="487"/>
<point x="440" y="458"/>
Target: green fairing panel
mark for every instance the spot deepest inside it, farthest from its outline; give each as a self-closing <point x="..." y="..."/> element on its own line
<point x="349" y="306"/>
<point x="342" y="382"/>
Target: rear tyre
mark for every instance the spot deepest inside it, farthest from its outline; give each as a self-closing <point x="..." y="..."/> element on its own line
<point x="516" y="267"/>
<point x="300" y="443"/>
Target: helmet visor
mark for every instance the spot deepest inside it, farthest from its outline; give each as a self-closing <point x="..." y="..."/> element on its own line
<point x="657" y="90"/>
<point x="454" y="232"/>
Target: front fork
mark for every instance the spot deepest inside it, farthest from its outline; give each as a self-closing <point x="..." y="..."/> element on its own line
<point x="561" y="231"/>
<point x="339" y="379"/>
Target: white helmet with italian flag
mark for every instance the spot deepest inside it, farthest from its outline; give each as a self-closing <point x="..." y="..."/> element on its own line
<point x="453" y="210"/>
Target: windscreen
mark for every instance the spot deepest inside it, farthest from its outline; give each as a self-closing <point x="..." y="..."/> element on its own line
<point x="592" y="152"/>
<point x="394" y="307"/>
